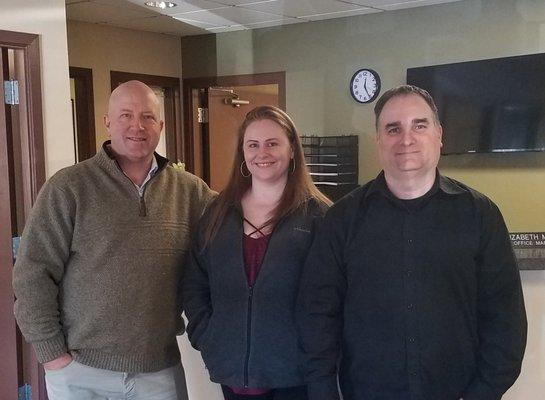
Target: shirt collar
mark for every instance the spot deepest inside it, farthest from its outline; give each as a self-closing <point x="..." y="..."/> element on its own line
<point x="153" y="170"/>
<point x="442" y="183"/>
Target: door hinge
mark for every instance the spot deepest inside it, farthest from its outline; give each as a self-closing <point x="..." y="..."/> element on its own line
<point x="11" y="92"/>
<point x="202" y="115"/>
<point x="25" y="392"/>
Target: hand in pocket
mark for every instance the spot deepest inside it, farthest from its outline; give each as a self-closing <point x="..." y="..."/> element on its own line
<point x="58" y="363"/>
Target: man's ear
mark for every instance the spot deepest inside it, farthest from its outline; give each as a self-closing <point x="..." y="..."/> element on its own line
<point x="106" y="120"/>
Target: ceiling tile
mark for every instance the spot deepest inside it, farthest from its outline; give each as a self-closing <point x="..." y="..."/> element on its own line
<point x="193" y="16"/>
<point x="223" y="29"/>
<point x="206" y="20"/>
<point x="341" y="14"/>
<point x="243" y="2"/>
<point x="396" y="4"/>
<point x="278" y="22"/>
<point x="228" y="16"/>
<point x="161" y="24"/>
<point x="207" y="24"/>
<point x="255" y="25"/>
<point x="183" y="6"/>
<point x="298" y="8"/>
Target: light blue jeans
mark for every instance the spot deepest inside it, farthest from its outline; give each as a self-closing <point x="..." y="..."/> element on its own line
<point x="80" y="382"/>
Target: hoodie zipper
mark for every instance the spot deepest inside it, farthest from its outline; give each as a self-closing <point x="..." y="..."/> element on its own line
<point x="248" y="334"/>
<point x="249" y="319"/>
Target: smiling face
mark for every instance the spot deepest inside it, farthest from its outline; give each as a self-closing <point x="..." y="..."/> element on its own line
<point x="267" y="151"/>
<point x="133" y="122"/>
<point x="408" y="138"/>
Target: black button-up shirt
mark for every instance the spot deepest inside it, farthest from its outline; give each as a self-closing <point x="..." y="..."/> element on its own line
<point x="418" y="299"/>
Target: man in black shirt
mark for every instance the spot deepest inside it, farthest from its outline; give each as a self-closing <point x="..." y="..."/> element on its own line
<point x="411" y="290"/>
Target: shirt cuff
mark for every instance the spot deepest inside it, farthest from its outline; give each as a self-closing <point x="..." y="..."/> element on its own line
<point x="47" y="350"/>
<point x="325" y="389"/>
<point x="479" y="390"/>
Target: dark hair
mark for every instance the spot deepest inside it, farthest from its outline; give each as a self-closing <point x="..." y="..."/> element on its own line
<point x="404" y="90"/>
<point x="299" y="187"/>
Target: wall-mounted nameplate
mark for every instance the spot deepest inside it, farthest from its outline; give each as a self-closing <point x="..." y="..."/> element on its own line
<point x="529" y="248"/>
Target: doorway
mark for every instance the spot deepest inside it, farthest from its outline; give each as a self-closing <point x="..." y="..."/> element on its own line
<point x="214" y="109"/>
<point x="22" y="173"/>
<point x="83" y="112"/>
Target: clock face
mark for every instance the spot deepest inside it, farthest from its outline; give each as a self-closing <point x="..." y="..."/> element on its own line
<point x="365" y="85"/>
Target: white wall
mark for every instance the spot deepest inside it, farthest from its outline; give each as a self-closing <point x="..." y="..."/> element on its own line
<point x="47" y="19"/>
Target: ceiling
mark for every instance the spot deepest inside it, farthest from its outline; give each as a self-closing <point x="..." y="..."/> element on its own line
<point x="195" y="17"/>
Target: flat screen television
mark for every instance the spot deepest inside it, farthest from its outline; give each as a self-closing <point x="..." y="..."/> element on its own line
<point x="495" y="105"/>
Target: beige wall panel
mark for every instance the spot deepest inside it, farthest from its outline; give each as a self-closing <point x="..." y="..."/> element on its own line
<point x="104" y="49"/>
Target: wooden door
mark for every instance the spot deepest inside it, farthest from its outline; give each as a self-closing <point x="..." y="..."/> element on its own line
<point x="22" y="172"/>
<point x="9" y="371"/>
<point x="227" y="108"/>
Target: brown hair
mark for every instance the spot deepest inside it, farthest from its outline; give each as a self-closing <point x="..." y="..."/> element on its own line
<point x="299" y="187"/>
<point x="404" y="90"/>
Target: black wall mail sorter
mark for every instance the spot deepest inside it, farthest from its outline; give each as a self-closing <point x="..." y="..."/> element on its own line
<point x="333" y="163"/>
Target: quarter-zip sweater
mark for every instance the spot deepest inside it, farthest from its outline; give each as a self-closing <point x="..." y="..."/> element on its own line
<point x="247" y="334"/>
<point x="99" y="267"/>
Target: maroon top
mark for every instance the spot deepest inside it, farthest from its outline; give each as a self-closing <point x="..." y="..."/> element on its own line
<point x="254" y="252"/>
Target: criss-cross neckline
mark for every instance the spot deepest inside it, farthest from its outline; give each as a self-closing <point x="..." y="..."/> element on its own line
<point x="256" y="229"/>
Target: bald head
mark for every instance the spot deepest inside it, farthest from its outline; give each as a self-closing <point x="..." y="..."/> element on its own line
<point x="132" y="89"/>
<point x="133" y="123"/>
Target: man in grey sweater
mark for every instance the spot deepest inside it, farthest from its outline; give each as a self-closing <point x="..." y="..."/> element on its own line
<point x="98" y="272"/>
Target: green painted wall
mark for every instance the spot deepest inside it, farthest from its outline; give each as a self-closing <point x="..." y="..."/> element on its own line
<point x="320" y="57"/>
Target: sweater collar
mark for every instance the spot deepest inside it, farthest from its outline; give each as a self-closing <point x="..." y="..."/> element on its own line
<point x="107" y="157"/>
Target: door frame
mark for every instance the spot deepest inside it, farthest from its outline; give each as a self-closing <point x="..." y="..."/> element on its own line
<point x="173" y="125"/>
<point x="33" y="171"/>
<point x="190" y="84"/>
<point x="85" y="112"/>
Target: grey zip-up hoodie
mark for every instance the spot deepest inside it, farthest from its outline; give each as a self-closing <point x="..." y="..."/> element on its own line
<point x="247" y="335"/>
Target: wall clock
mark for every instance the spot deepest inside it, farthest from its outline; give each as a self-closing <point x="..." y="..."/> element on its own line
<point x="365" y="85"/>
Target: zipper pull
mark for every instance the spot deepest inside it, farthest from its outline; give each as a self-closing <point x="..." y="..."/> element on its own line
<point x="143" y="211"/>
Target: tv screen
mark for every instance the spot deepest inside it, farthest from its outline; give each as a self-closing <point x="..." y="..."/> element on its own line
<point x="495" y="105"/>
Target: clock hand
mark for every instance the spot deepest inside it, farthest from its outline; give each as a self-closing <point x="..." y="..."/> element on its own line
<point x="365" y="87"/>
